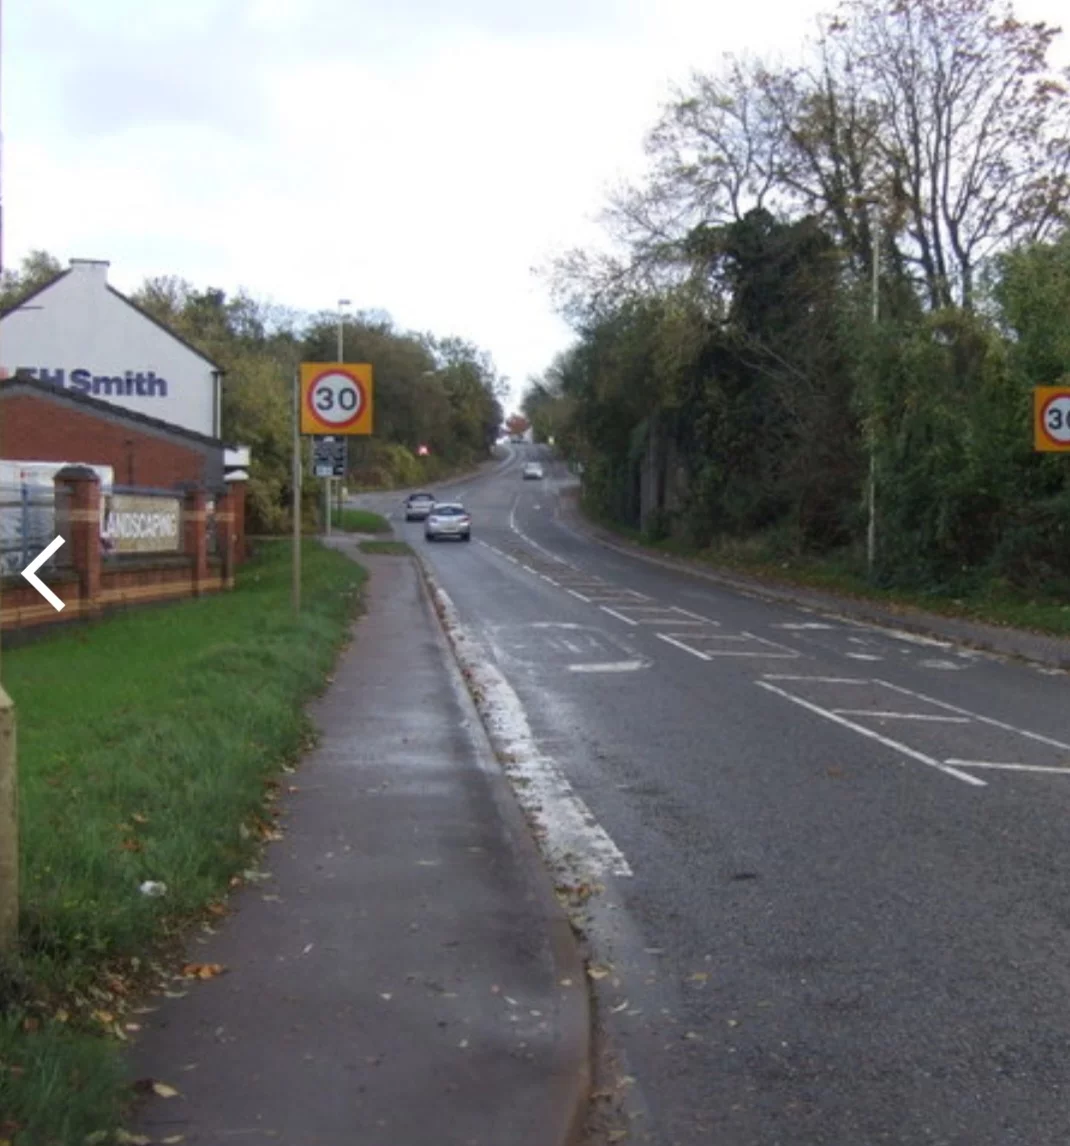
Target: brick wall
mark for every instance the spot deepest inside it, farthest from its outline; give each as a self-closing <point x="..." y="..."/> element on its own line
<point x="41" y="431"/>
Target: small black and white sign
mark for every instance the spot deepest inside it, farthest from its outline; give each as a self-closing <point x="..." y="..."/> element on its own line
<point x="329" y="456"/>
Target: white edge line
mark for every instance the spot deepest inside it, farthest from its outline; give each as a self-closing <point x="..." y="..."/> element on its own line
<point x="1010" y="767"/>
<point x="975" y="715"/>
<point x="681" y="645"/>
<point x="870" y="734"/>
<point x="619" y="616"/>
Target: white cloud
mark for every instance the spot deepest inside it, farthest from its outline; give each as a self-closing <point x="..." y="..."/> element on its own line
<point x="414" y="156"/>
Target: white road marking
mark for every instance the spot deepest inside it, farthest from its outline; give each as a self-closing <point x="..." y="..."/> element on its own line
<point x="815" y="679"/>
<point x="570" y="836"/>
<point x="557" y="625"/>
<point x="931" y="664"/>
<point x="803" y="625"/>
<point x="610" y="666"/>
<point x="697" y="616"/>
<point x="681" y="645"/>
<point x="1065" y="769"/>
<point x="578" y="596"/>
<point x="619" y="616"/>
<point x="976" y="716"/>
<point x="901" y="715"/>
<point x="912" y="753"/>
<point x="863" y="657"/>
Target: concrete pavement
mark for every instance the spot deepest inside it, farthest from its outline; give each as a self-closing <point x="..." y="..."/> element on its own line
<point x="401" y="974"/>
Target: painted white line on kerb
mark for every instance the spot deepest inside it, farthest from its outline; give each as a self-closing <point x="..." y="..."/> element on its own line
<point x="681" y="645"/>
<point x="870" y="734"/>
<point x="815" y="679"/>
<point x="569" y="835"/>
<point x="578" y="596"/>
<point x="900" y="715"/>
<point x="619" y="616"/>
<point x="976" y="716"/>
<point x="610" y="666"/>
<point x="1064" y="770"/>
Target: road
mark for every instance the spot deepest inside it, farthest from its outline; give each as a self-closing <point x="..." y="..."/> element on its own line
<point x="833" y="904"/>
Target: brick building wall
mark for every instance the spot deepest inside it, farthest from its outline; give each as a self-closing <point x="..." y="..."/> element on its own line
<point x="29" y="433"/>
<point x="45" y="424"/>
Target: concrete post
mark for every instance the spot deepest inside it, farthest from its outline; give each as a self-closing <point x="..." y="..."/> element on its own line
<point x="9" y="827"/>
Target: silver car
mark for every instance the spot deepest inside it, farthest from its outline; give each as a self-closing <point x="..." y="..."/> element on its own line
<point x="448" y="519"/>
<point x="418" y="506"/>
<point x="532" y="471"/>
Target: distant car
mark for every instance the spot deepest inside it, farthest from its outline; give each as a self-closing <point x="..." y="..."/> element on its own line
<point x="532" y="471"/>
<point x="517" y="439"/>
<point x="448" y="519"/>
<point x="418" y="506"/>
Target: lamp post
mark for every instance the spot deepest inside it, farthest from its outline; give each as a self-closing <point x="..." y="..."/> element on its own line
<point x="871" y="525"/>
<point x="328" y="483"/>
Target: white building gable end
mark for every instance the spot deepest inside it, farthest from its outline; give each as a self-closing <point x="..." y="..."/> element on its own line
<point x="80" y="333"/>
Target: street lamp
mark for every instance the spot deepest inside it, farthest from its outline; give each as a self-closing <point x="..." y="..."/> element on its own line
<point x="342" y="303"/>
<point x="871" y="201"/>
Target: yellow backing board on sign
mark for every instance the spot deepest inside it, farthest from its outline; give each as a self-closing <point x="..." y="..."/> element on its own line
<point x="1051" y="419"/>
<point x="336" y="398"/>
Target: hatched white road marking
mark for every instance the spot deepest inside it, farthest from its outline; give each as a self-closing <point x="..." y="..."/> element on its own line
<point x="815" y="679"/>
<point x="804" y="625"/>
<point x="609" y="666"/>
<point x="895" y="745"/>
<point x="619" y="616"/>
<point x="578" y="596"/>
<point x="901" y="715"/>
<point x="681" y="645"/>
<point x="863" y="657"/>
<point x="1064" y="769"/>
<point x="976" y="716"/>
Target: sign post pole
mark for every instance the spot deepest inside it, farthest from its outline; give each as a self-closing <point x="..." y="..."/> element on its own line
<point x="297" y="494"/>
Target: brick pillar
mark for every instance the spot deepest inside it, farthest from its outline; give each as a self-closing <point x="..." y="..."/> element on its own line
<point x="195" y="539"/>
<point x="80" y="519"/>
<point x="226" y="533"/>
<point x="236" y="504"/>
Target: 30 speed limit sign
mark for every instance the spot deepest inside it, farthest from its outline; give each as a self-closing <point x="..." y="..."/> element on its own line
<point x="1051" y="418"/>
<point x="336" y="398"/>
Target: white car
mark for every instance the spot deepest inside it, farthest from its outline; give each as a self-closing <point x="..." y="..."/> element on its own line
<point x="448" y="519"/>
<point x="532" y="471"/>
<point x="418" y="506"/>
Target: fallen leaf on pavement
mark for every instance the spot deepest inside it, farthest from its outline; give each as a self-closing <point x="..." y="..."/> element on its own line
<point x="163" y="1090"/>
<point x="127" y="1139"/>
<point x="202" y="970"/>
<point x="173" y="1139"/>
<point x="621" y="1007"/>
<point x="699" y="977"/>
<point x="597" y="972"/>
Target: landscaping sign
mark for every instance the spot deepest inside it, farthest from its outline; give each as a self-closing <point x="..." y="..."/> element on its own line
<point x="137" y="524"/>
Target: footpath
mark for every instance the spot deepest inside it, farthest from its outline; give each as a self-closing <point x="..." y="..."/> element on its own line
<point x="1021" y="644"/>
<point x="400" y="973"/>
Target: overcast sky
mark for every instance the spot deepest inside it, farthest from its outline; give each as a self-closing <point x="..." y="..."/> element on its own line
<point x="415" y="156"/>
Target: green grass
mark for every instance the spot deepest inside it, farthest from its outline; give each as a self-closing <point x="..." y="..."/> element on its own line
<point x="996" y="603"/>
<point x="394" y="548"/>
<point x="147" y="745"/>
<point x="360" y="521"/>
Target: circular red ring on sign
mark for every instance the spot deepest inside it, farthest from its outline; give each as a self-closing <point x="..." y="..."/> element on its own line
<point x="1060" y="397"/>
<point x="361" y="407"/>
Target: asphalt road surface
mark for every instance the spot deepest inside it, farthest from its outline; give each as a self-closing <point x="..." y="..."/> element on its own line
<point x="834" y="857"/>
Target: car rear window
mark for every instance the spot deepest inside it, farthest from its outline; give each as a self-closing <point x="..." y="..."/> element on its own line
<point x="421" y="497"/>
<point x="448" y="511"/>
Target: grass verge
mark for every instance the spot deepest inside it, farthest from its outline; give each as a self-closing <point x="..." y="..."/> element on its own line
<point x="147" y="747"/>
<point x="996" y="603"/>
<point x="391" y="548"/>
<point x="360" y="521"/>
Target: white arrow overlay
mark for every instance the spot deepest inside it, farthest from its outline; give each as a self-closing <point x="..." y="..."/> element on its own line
<point x="30" y="573"/>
